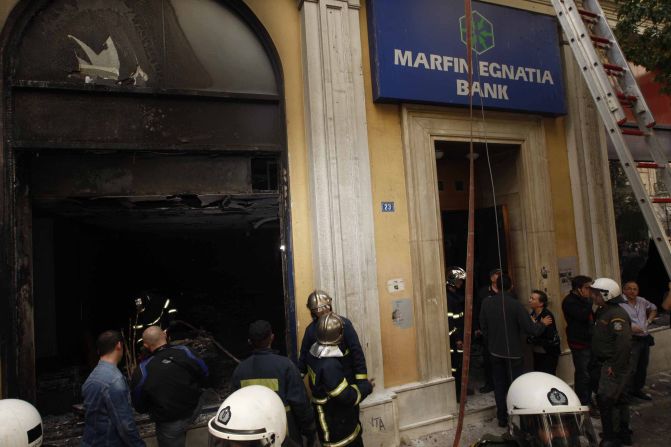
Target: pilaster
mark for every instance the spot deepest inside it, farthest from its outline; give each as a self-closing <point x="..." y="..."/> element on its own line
<point x="340" y="180"/>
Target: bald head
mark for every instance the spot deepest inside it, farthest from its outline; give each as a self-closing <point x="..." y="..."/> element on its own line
<point x="153" y="337"/>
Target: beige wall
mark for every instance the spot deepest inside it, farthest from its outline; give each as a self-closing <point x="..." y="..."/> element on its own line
<point x="282" y="21"/>
<point x="391" y="229"/>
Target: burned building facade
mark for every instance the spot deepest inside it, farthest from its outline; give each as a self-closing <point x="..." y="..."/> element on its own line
<point x="234" y="155"/>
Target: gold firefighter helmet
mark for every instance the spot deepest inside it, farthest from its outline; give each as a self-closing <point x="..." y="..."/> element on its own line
<point x="319" y="302"/>
<point x="330" y="329"/>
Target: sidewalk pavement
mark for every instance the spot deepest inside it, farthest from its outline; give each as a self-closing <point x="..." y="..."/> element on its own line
<point x="649" y="421"/>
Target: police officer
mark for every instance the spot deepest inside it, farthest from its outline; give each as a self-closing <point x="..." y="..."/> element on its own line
<point x="265" y="367"/>
<point x="353" y="360"/>
<point x="250" y="417"/>
<point x="611" y="347"/>
<point x="336" y="399"/>
<point x="455" y="320"/>
<point x="21" y="424"/>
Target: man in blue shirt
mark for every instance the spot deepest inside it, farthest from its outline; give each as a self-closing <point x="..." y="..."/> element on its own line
<point x="109" y="419"/>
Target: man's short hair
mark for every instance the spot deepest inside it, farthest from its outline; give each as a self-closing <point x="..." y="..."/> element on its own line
<point x="107" y="341"/>
<point x="578" y="281"/>
<point x="503" y="282"/>
<point x="259" y="333"/>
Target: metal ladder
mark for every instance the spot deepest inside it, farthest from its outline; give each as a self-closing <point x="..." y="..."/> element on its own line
<point x="613" y="87"/>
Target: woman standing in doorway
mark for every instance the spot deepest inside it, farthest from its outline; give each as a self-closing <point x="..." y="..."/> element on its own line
<point x="545" y="346"/>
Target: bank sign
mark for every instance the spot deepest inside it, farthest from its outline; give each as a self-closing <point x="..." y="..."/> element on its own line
<point x="418" y="54"/>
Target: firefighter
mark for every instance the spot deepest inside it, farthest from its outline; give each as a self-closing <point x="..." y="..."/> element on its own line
<point x="455" y="320"/>
<point x="21" y="424"/>
<point x="252" y="416"/>
<point x="353" y="360"/>
<point x="265" y="367"/>
<point x="611" y="348"/>
<point x="336" y="400"/>
<point x="152" y="309"/>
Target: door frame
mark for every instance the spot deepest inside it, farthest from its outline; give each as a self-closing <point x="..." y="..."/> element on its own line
<point x="421" y="126"/>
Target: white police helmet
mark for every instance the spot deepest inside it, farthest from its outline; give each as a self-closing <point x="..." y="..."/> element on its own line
<point x="544" y="411"/>
<point x="21" y="424"/>
<point x="609" y="289"/>
<point x="253" y="415"/>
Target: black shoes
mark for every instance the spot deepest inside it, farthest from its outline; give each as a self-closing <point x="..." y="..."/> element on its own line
<point x="503" y="424"/>
<point x="486" y="389"/>
<point x="641" y="395"/>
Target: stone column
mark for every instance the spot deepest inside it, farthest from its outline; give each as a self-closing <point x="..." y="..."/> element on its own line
<point x="590" y="179"/>
<point x="340" y="181"/>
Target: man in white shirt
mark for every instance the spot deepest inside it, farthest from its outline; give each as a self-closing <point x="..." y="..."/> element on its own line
<point x="641" y="312"/>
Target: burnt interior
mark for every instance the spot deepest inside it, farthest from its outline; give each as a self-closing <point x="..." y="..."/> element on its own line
<point x="107" y="227"/>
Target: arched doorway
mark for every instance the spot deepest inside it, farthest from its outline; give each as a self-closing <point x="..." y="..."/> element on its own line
<point x="144" y="150"/>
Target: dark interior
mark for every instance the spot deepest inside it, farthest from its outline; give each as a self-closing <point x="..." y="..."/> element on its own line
<point x="217" y="257"/>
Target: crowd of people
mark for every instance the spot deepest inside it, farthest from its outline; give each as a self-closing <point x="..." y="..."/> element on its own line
<point x="606" y="332"/>
<point x="269" y="406"/>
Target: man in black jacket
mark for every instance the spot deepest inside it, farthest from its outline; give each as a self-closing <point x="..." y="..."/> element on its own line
<point x="502" y="320"/>
<point x="167" y="385"/>
<point x="577" y="308"/>
<point x="265" y="367"/>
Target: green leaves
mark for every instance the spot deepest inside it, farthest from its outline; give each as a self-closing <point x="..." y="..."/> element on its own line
<point x="644" y="33"/>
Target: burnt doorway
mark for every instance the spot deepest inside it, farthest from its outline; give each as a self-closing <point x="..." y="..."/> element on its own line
<point x="217" y="256"/>
<point x="138" y="157"/>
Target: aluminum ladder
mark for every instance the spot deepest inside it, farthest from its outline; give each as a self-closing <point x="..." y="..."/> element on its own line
<point x="613" y="87"/>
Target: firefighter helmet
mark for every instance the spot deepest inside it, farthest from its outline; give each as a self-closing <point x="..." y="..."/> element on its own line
<point x="544" y="411"/>
<point x="330" y="329"/>
<point x="454" y="275"/>
<point x="319" y="302"/>
<point x="21" y="424"/>
<point x="609" y="289"/>
<point x="252" y="415"/>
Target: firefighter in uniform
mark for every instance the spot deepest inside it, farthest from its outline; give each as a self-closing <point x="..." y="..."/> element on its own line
<point x="353" y="360"/>
<point x="455" y="320"/>
<point x="151" y="309"/>
<point x="265" y="367"/>
<point x="336" y="400"/>
<point x="611" y="347"/>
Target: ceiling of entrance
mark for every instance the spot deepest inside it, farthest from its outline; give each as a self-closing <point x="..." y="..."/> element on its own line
<point x="184" y="212"/>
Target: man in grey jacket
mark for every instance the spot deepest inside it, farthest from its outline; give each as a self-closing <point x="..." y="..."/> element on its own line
<point x="502" y="320"/>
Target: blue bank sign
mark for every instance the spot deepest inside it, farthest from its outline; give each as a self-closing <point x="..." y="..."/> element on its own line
<point x="418" y="54"/>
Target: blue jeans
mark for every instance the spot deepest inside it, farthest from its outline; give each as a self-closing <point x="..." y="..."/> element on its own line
<point x="504" y="372"/>
<point x="581" y="376"/>
<point x="173" y="433"/>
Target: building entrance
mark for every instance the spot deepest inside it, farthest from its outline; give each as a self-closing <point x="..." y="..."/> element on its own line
<point x="182" y="230"/>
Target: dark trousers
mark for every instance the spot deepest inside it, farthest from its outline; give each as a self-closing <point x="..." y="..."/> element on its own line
<point x="581" y="376"/>
<point x="640" y="356"/>
<point x="487" y="364"/>
<point x="504" y="371"/>
<point x="546" y="363"/>
<point x="612" y="399"/>
<point x="457" y="360"/>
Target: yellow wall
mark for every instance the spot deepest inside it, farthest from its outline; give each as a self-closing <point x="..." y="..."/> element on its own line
<point x="392" y="234"/>
<point x="281" y="19"/>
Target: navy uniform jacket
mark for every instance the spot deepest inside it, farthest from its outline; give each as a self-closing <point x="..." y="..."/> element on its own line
<point x="354" y="361"/>
<point x="167" y="385"/>
<point x="336" y="401"/>
<point x="265" y="367"/>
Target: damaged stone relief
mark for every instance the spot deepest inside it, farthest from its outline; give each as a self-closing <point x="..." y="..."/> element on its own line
<point x="105" y="65"/>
